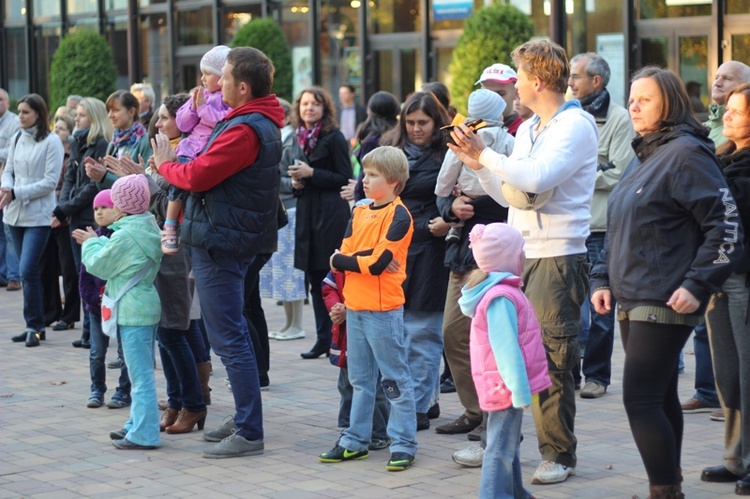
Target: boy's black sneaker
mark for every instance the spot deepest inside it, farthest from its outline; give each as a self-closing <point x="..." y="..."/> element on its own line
<point x="338" y="454"/>
<point x="399" y="461"/>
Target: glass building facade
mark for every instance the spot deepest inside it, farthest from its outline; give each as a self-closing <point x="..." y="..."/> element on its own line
<point x="393" y="45"/>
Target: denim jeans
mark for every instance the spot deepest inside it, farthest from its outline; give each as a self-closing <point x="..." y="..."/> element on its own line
<point x="729" y="333"/>
<point x="375" y="340"/>
<point x="196" y="342"/>
<point x="10" y="257"/>
<point x="183" y="387"/>
<point x="138" y="349"/>
<point x="380" y="414"/>
<point x="219" y="279"/>
<point x="256" y="317"/>
<point x="705" y="385"/>
<point x="501" y="466"/>
<point x="597" y="352"/>
<point x="97" y="355"/>
<point x="423" y="337"/>
<point x="29" y="243"/>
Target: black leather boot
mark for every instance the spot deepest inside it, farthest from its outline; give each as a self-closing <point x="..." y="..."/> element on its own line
<point x="320" y="348"/>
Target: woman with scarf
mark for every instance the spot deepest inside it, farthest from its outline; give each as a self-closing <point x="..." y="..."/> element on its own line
<point x="726" y="316"/>
<point x="27" y="195"/>
<point x="673" y="238"/>
<point x="93" y="131"/>
<point x="319" y="166"/>
<point x="418" y="134"/>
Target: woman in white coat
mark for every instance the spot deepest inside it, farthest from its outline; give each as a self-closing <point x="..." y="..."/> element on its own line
<point x="27" y="194"/>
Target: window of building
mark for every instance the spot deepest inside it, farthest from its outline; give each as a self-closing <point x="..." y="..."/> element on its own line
<point x="155" y="54"/>
<point x="117" y="37"/>
<point x="18" y="69"/>
<point x="15" y="10"/>
<point x="538" y="11"/>
<point x="46" y="8"/>
<point x="294" y="19"/>
<point x="741" y="47"/>
<point x="82" y="6"/>
<point x="395" y="16"/>
<point x="450" y="14"/>
<point x="195" y="27"/>
<point x="738" y="7"/>
<point x="339" y="45"/>
<point x="47" y="39"/>
<point x="236" y="17"/>
<point x="83" y="23"/>
<point x="115" y="5"/>
<point x="660" y="9"/>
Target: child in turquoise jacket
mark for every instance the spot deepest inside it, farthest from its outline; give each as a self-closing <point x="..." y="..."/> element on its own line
<point x="135" y="244"/>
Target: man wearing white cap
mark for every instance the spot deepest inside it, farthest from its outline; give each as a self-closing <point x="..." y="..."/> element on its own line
<point x="501" y="79"/>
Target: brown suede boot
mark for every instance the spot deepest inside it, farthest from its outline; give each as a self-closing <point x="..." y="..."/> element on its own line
<point x="665" y="492"/>
<point x="168" y="417"/>
<point x="186" y="421"/>
<point x="204" y="374"/>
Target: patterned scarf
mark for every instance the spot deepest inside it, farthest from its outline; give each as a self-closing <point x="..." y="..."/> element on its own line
<point x="307" y="138"/>
<point x="597" y="105"/>
<point x="130" y="136"/>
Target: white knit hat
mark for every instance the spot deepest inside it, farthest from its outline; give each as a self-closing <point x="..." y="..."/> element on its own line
<point x="486" y="104"/>
<point x="214" y="59"/>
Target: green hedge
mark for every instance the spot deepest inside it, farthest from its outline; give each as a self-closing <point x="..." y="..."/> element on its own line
<point x="265" y="35"/>
<point x="489" y="36"/>
<point x="83" y="65"/>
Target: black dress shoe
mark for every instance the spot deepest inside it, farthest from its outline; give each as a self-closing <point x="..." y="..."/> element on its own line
<point x="718" y="474"/>
<point x="81" y="344"/>
<point x="19" y="337"/>
<point x="32" y="339"/>
<point x="317" y="350"/>
<point x="434" y="411"/>
<point x="423" y="422"/>
<point x="743" y="487"/>
<point x="62" y="326"/>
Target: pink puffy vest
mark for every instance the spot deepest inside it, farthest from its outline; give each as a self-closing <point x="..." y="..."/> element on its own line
<point x="491" y="390"/>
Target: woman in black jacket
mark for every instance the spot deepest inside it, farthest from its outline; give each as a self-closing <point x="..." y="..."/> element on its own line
<point x="726" y="316"/>
<point x="673" y="239"/>
<point x="92" y="133"/>
<point x="319" y="166"/>
<point x="418" y="134"/>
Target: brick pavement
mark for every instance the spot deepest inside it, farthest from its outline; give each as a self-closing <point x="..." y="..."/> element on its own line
<point x="51" y="445"/>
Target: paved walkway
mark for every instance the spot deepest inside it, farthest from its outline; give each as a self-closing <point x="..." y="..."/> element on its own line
<point x="51" y="445"/>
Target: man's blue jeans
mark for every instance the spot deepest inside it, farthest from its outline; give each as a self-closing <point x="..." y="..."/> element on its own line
<point x="705" y="385"/>
<point x="219" y="280"/>
<point x="178" y="362"/>
<point x="138" y="349"/>
<point x="423" y="336"/>
<point x="29" y="243"/>
<point x="375" y="340"/>
<point x="97" y="355"/>
<point x="597" y="354"/>
<point x="501" y="466"/>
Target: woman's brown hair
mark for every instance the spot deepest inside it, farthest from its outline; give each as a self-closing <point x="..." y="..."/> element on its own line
<point x="328" y="121"/>
<point x="676" y="106"/>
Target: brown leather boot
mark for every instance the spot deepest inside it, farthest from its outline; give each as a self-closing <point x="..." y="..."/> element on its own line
<point x="204" y="374"/>
<point x="168" y="417"/>
<point x="186" y="421"/>
<point x="665" y="492"/>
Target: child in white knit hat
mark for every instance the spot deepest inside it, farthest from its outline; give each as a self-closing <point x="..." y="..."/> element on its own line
<point x="197" y="118"/>
<point x="455" y="177"/>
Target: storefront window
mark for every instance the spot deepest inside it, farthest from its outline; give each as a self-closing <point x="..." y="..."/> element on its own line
<point x="294" y="19"/>
<point x="195" y="27"/>
<point x="339" y="46"/>
<point x="451" y="14"/>
<point x="660" y="9"/>
<point x="116" y="5"/>
<point x="117" y="37"/>
<point x="47" y="38"/>
<point x="395" y="16"/>
<point x="46" y="8"/>
<point x="738" y="7"/>
<point x="588" y="19"/>
<point x="237" y="17"/>
<point x="538" y="11"/>
<point x="84" y="24"/>
<point x="155" y="54"/>
<point x="18" y="70"/>
<point x="146" y="3"/>
<point x="741" y="47"/>
<point x="15" y="10"/>
<point x="81" y="6"/>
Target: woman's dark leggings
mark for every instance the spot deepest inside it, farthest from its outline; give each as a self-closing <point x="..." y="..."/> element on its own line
<point x="649" y="388"/>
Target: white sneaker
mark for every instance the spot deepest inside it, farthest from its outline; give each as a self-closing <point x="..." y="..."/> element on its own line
<point x="290" y="335"/>
<point x="470" y="457"/>
<point x="272" y="335"/>
<point x="551" y="472"/>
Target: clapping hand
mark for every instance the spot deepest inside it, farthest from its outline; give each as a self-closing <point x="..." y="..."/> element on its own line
<point x="95" y="170"/>
<point x="81" y="235"/>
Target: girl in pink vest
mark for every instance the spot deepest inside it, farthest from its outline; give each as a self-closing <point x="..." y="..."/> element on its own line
<point x="508" y="362"/>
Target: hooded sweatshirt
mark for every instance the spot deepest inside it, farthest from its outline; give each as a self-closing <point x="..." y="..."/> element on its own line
<point x="136" y="240"/>
<point x="561" y="156"/>
<point x="507" y="356"/>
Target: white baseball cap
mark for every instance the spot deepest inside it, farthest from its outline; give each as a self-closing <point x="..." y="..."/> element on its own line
<point x="499" y="73"/>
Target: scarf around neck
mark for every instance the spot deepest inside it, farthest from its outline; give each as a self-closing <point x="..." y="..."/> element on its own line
<point x="413" y="151"/>
<point x="130" y="136"/>
<point x="307" y="138"/>
<point x="596" y="104"/>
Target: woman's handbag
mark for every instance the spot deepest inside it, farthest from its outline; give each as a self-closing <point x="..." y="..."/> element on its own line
<point x="109" y="305"/>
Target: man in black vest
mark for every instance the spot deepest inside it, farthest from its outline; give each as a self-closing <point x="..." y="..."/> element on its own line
<point x="234" y="186"/>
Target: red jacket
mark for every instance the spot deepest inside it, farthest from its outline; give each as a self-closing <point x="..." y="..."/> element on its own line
<point x="234" y="149"/>
<point x="333" y="293"/>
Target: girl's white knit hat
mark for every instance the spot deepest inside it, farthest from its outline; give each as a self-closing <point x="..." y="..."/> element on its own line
<point x="214" y="59"/>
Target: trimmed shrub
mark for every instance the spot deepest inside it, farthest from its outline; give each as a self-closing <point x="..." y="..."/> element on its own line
<point x="83" y="65"/>
<point x="266" y="36"/>
<point x="489" y="36"/>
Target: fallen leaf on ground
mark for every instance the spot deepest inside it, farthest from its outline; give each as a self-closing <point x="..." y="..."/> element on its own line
<point x="6" y="395"/>
<point x="57" y="383"/>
